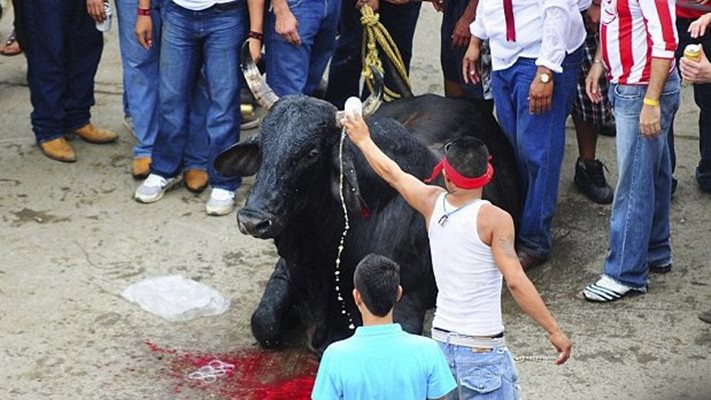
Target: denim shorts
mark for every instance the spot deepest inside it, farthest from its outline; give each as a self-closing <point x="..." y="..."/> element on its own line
<point x="482" y="376"/>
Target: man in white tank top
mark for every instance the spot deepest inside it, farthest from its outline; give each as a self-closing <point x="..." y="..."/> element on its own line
<point x="472" y="246"/>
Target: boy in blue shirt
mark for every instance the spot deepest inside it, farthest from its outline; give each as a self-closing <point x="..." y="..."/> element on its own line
<point x="381" y="361"/>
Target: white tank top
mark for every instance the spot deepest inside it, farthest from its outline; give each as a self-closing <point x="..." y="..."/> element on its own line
<point x="469" y="283"/>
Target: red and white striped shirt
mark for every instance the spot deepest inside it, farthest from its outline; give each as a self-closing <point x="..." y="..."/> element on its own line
<point x="631" y="33"/>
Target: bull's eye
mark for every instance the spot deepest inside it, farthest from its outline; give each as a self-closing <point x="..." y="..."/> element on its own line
<point x="313" y="153"/>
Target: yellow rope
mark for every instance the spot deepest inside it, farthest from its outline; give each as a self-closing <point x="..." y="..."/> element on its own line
<point x="374" y="35"/>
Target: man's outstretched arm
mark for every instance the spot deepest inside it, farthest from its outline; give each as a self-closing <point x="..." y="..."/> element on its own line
<point x="520" y="287"/>
<point x="418" y="195"/>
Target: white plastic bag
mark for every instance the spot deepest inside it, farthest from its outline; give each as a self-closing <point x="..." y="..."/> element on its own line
<point x="176" y="298"/>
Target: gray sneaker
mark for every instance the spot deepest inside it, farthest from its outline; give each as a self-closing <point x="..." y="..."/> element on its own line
<point x="221" y="202"/>
<point x="153" y="188"/>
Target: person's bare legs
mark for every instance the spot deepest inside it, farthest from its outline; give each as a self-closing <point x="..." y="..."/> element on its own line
<point x="586" y="133"/>
<point x="589" y="175"/>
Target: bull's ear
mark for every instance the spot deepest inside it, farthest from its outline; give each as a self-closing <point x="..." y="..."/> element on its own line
<point x="242" y="159"/>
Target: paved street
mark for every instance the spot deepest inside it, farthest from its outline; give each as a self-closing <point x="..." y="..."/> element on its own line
<point x="71" y="239"/>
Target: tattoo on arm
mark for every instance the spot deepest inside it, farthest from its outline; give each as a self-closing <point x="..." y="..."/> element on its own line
<point x="506" y="244"/>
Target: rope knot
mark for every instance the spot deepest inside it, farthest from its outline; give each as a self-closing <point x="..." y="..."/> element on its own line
<point x="369" y="17"/>
<point x="376" y="36"/>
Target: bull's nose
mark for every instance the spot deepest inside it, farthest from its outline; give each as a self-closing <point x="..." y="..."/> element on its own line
<point x="255" y="224"/>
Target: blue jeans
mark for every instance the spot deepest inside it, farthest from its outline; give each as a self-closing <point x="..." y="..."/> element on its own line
<point x="195" y="40"/>
<point x="141" y="82"/>
<point x="140" y="75"/>
<point x="345" y="69"/>
<point x="639" y="223"/>
<point x="298" y="69"/>
<point x="538" y="142"/>
<point x="63" y="49"/>
<point x="481" y="376"/>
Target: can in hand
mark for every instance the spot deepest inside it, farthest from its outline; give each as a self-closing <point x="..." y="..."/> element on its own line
<point x="105" y="26"/>
<point x="693" y="52"/>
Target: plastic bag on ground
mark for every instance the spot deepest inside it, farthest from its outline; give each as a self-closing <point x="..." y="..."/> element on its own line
<point x="176" y="298"/>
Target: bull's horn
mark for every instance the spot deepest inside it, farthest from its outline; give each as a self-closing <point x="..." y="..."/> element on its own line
<point x="373" y="102"/>
<point x="264" y="95"/>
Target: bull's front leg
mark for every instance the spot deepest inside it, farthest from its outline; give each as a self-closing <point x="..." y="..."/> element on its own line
<point x="271" y="318"/>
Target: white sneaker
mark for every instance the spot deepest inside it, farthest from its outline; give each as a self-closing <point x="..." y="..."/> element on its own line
<point x="153" y="188"/>
<point x="221" y="202"/>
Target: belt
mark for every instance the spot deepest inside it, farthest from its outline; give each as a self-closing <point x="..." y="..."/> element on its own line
<point x="476" y="343"/>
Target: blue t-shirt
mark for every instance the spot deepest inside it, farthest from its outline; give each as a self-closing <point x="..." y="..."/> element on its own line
<point x="383" y="362"/>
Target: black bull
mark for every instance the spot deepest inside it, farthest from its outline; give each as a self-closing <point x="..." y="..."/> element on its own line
<point x="295" y="200"/>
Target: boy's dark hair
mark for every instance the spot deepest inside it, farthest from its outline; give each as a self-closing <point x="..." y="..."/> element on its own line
<point x="468" y="156"/>
<point x="377" y="278"/>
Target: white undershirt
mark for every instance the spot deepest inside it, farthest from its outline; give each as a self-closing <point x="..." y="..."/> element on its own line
<point x="199" y="5"/>
<point x="468" y="281"/>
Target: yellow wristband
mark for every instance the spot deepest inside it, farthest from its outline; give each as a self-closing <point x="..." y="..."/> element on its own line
<point x="651" y="102"/>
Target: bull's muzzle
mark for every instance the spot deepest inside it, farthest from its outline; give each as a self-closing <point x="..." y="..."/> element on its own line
<point x="256" y="223"/>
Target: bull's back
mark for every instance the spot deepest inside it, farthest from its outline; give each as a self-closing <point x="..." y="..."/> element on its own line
<point x="434" y="120"/>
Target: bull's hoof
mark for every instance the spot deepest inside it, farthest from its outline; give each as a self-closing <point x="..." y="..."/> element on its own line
<point x="267" y="331"/>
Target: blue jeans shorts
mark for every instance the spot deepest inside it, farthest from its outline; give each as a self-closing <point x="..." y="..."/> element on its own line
<point x="488" y="375"/>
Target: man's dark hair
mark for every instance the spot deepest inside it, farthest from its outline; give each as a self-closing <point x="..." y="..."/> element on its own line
<point x="377" y="278"/>
<point x="468" y="156"/>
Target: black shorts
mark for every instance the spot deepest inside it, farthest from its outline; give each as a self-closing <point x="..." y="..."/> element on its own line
<point x="450" y="58"/>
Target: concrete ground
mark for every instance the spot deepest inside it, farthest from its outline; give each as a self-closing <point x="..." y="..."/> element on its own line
<point x="72" y="238"/>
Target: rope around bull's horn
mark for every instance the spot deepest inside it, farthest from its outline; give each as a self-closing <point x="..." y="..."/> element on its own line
<point x="374" y="35"/>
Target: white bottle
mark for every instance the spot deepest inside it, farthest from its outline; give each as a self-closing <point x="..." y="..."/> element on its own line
<point x="353" y="106"/>
<point x="105" y="26"/>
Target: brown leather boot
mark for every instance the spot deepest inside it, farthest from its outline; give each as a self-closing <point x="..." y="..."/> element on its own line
<point x="195" y="180"/>
<point x="58" y="149"/>
<point x="141" y="167"/>
<point x="92" y="134"/>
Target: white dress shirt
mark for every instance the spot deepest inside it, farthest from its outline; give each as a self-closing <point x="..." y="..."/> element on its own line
<point x="546" y="30"/>
<point x="584" y="5"/>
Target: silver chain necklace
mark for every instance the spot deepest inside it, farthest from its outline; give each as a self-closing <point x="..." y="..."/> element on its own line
<point x="443" y="219"/>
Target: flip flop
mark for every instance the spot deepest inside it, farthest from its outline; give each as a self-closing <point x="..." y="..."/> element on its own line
<point x="11" y="41"/>
<point x="606" y="290"/>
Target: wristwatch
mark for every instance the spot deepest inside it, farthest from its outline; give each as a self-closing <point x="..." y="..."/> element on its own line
<point x="544" y="77"/>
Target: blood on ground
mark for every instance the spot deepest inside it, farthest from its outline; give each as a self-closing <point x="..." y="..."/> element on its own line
<point x="258" y="374"/>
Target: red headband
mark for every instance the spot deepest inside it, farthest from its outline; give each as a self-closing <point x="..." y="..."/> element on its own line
<point x="462" y="181"/>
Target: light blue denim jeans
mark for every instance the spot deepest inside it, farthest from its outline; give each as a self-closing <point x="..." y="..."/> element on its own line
<point x="192" y="41"/>
<point x="140" y="75"/>
<point x="298" y="69"/>
<point x="538" y="142"/>
<point x="639" y="223"/>
<point x="141" y="80"/>
<point x="481" y="376"/>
